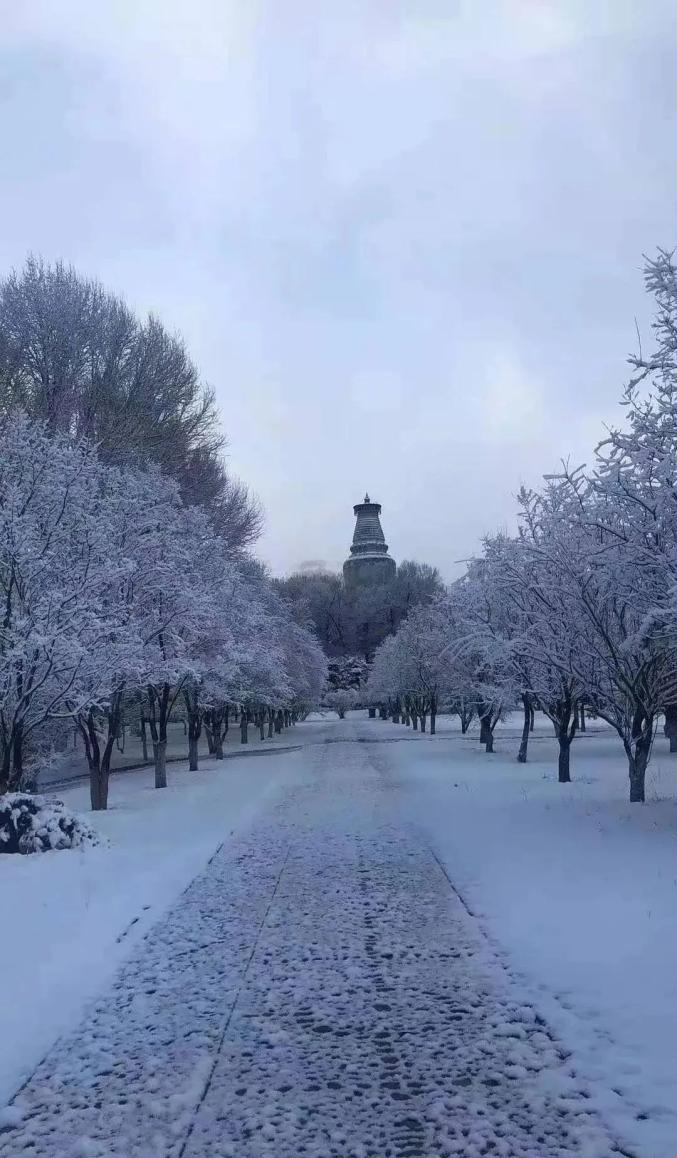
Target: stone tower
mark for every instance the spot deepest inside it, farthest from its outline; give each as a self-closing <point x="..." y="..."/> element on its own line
<point x="369" y="561"/>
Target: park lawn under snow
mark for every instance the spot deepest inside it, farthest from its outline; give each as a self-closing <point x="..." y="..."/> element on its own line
<point x="69" y="917"/>
<point x="578" y="888"/>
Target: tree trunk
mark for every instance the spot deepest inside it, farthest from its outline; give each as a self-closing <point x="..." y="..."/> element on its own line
<point x="262" y="726"/>
<point x="6" y="765"/>
<point x="244" y="728"/>
<point x="526" y="727"/>
<point x="414" y="721"/>
<point x="486" y="734"/>
<point x="484" y="711"/>
<point x="532" y="718"/>
<point x="114" y="717"/>
<point x="159" y="716"/>
<point x="581" y="723"/>
<point x="565" y="716"/>
<point x="12" y="759"/>
<point x="563" y="774"/>
<point x="95" y="795"/>
<point x="671" y="726"/>
<point x="271" y="723"/>
<point x="194" y="733"/>
<point x="638" y="724"/>
<point x="104" y="774"/>
<point x="160" y="756"/>
<point x="194" y="721"/>
<point x="17" y="756"/>
<point x="637" y="762"/>
<point x="87" y="727"/>
<point x="637" y="772"/>
<point x="278" y="721"/>
<point x="433" y="714"/>
<point x="144" y="740"/>
<point x="219" y="723"/>
<point x="423" y="720"/>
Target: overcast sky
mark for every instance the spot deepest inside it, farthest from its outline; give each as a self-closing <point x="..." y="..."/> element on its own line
<point x="403" y="241"/>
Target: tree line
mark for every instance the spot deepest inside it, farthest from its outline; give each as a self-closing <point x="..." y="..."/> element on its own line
<point x="120" y="600"/>
<point x="127" y="591"/>
<point x="351" y="620"/>
<point x="578" y="610"/>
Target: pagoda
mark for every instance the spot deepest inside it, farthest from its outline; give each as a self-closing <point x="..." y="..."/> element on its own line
<point x="369" y="561"/>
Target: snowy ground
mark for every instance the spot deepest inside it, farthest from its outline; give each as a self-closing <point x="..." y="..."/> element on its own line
<point x="578" y="890"/>
<point x="69" y="919"/>
<point x="321" y="988"/>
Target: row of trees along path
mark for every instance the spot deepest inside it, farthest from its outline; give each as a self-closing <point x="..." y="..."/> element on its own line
<point x="579" y="607"/>
<point x="128" y="593"/>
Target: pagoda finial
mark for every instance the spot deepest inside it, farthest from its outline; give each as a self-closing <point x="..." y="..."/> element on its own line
<point x="366" y="497"/>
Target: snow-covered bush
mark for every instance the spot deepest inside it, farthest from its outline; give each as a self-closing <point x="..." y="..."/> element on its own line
<point x="39" y="824"/>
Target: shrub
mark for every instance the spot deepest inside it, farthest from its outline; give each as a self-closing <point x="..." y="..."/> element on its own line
<point x="39" y="823"/>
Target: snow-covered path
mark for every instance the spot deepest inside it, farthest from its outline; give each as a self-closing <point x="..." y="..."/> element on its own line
<point x="319" y="990"/>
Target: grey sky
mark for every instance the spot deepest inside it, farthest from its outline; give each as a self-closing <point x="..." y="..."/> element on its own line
<point x="402" y="240"/>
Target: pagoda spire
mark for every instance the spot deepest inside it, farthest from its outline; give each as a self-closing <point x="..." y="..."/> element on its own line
<point x="369" y="560"/>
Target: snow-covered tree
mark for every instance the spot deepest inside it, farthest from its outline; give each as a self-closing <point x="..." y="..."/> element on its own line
<point x="216" y="651"/>
<point x="173" y="605"/>
<point x="385" y="685"/>
<point x="341" y="700"/>
<point x="537" y="631"/>
<point x="425" y="664"/>
<point x="478" y="650"/>
<point x="60" y="580"/>
<point x="75" y="357"/>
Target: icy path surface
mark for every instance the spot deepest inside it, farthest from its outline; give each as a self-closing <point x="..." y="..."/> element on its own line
<point x="318" y="991"/>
